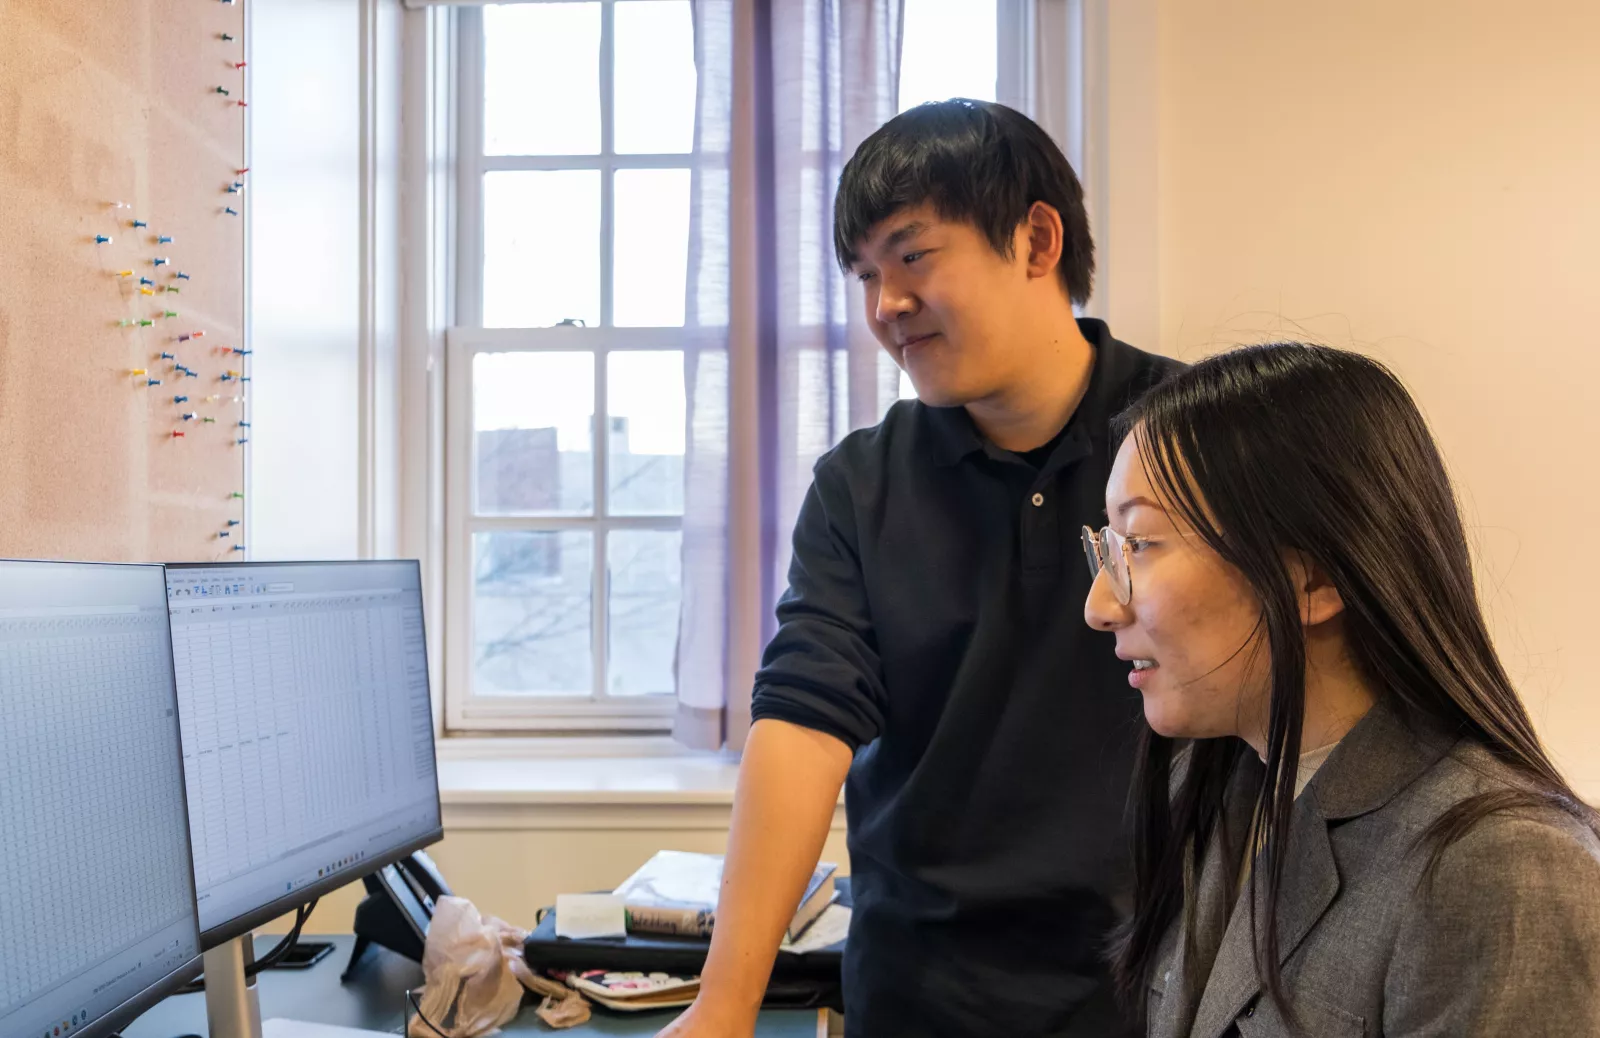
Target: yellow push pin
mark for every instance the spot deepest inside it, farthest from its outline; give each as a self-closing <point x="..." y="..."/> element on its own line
<point x="147" y="291"/>
<point x="124" y="273"/>
<point x="136" y="372"/>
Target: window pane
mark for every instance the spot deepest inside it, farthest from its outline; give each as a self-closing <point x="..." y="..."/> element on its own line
<point x="652" y="248"/>
<point x="655" y="77"/>
<point x="541" y="248"/>
<point x="948" y="50"/>
<point x="541" y="79"/>
<point x="645" y="408"/>
<point x="531" y="614"/>
<point x="644" y="578"/>
<point x="533" y="423"/>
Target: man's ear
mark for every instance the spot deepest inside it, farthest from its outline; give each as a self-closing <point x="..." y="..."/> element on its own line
<point x="1044" y="235"/>
<point x="1319" y="600"/>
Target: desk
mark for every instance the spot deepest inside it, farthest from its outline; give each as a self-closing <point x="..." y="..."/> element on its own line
<point x="375" y="999"/>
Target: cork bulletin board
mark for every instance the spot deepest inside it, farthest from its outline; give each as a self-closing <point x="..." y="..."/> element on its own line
<point x="121" y="120"/>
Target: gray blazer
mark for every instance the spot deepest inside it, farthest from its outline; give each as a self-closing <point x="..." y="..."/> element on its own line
<point x="1506" y="941"/>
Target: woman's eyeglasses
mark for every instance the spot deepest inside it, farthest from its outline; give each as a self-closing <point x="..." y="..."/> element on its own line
<point x="1108" y="550"/>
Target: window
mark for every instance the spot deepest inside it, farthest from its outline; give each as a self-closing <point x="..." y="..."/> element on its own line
<point x="565" y="382"/>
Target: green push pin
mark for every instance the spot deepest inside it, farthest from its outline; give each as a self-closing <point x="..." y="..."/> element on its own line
<point x="223" y="91"/>
<point x="236" y="494"/>
<point x="208" y="421"/>
<point x="172" y="288"/>
<point x="169" y="313"/>
<point x="146" y="323"/>
<point x="226" y="38"/>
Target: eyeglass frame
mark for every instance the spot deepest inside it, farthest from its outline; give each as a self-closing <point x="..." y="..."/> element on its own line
<point x="1097" y="546"/>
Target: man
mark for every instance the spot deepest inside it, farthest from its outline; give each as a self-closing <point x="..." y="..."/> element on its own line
<point x="930" y="644"/>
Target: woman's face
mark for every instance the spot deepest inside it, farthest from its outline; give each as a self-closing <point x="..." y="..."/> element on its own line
<point x="1191" y="626"/>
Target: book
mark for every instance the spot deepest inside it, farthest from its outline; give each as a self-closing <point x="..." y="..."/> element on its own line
<point x="676" y="892"/>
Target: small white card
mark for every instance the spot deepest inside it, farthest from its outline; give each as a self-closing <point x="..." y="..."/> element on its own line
<point x="582" y="916"/>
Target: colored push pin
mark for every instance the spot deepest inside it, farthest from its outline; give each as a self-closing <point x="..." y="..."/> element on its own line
<point x="152" y="381"/>
<point x="147" y="291"/>
<point x="125" y="322"/>
<point x="226" y="38"/>
<point x="239" y="64"/>
<point x="146" y="323"/>
<point x="147" y="281"/>
<point x="208" y="421"/>
<point x="180" y="400"/>
<point x="160" y="261"/>
<point x="233" y="522"/>
<point x="199" y="335"/>
<point x="223" y="91"/>
<point x="137" y="224"/>
<point x="229" y="377"/>
<point x="242" y="104"/>
<point x="180" y="274"/>
<point x="183" y="338"/>
<point x="101" y="239"/>
<point x="125" y="274"/>
<point x="239" y="184"/>
<point x="190" y="374"/>
<point x="242" y="353"/>
<point x="167" y="356"/>
<point x="224" y="533"/>
<point x="238" y="547"/>
<point x="230" y="211"/>
<point x="136" y="372"/>
<point x="233" y="189"/>
<point x="236" y="496"/>
<point x="188" y="416"/>
<point x="243" y="440"/>
<point x="176" y="434"/>
<point x="163" y="239"/>
<point x="169" y="313"/>
<point x="241" y="172"/>
<point x="244" y="425"/>
<point x="172" y="288"/>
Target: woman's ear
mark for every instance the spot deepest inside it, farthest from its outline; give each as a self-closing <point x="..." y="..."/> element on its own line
<point x="1319" y="599"/>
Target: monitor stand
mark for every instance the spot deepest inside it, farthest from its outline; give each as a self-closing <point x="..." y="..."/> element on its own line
<point x="233" y="1007"/>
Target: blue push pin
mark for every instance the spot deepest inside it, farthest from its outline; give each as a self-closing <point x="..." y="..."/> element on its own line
<point x="238" y="547"/>
<point x="242" y="353"/>
<point x="140" y="223"/>
<point x="233" y="189"/>
<point x="189" y="374"/>
<point x="230" y="210"/>
<point x="147" y="281"/>
<point x="152" y="381"/>
<point x="188" y="416"/>
<point x="101" y="239"/>
<point x="223" y="533"/>
<point x="160" y="261"/>
<point x="168" y="356"/>
<point x="181" y="274"/>
<point x="163" y="239"/>
<point x="244" y="440"/>
<point x="227" y="378"/>
<point x="180" y="400"/>
<point x="245" y="378"/>
<point x="244" y="425"/>
<point x="233" y="522"/>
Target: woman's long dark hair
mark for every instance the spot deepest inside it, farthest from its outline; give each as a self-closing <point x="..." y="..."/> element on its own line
<point x="1295" y="447"/>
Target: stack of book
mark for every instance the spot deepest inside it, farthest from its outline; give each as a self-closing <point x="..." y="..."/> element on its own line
<point x="676" y="893"/>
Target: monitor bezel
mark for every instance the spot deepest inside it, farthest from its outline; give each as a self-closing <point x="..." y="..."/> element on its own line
<point x="240" y="925"/>
<point x="112" y="1021"/>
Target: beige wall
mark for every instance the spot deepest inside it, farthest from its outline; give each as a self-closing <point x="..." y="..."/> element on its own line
<point x="1418" y="179"/>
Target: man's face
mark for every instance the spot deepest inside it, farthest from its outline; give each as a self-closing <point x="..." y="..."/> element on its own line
<point x="944" y="304"/>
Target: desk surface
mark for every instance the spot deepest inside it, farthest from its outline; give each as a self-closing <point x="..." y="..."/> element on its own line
<point x="375" y="999"/>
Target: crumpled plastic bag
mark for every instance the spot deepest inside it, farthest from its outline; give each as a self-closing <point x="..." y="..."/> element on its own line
<point x="474" y="976"/>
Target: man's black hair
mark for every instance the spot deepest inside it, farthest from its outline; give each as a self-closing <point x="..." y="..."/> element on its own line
<point x="975" y="161"/>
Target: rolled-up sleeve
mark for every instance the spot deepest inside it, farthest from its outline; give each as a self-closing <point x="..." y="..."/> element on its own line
<point x="821" y="670"/>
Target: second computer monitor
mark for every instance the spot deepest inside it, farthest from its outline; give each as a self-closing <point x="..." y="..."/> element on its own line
<point x="307" y="729"/>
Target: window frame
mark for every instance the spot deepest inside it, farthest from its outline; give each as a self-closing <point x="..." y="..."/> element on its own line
<point x="466" y="709"/>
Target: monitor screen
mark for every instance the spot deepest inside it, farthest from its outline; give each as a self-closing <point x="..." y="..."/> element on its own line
<point x="307" y="729"/>
<point x="97" y="913"/>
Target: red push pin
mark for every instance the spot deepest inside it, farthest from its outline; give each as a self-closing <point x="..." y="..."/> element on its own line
<point x="241" y="172"/>
<point x="242" y="104"/>
<point x="199" y="335"/>
<point x="176" y="435"/>
<point x="239" y="64"/>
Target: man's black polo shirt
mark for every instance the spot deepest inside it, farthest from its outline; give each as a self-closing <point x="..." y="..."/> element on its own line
<point x="934" y="622"/>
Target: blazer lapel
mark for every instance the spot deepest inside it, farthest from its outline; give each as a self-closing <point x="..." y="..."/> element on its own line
<point x="1310" y="883"/>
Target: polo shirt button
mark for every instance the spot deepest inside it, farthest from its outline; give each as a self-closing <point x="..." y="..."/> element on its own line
<point x="1038" y="500"/>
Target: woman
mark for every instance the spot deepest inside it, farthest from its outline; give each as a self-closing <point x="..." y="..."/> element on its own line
<point x="1287" y="572"/>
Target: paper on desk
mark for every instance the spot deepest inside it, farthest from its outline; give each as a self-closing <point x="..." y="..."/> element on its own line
<point x="583" y="916"/>
<point x="831" y="927"/>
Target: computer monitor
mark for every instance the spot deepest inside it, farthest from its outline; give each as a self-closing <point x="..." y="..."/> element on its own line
<point x="97" y="902"/>
<point x="307" y="730"/>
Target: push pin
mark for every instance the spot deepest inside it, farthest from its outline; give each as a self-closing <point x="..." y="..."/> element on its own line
<point x="242" y="353"/>
<point x="152" y="381"/>
<point x="226" y="38"/>
<point x="239" y="64"/>
<point x="233" y="189"/>
<point x="223" y="91"/>
<point x="136" y="372"/>
<point x="180" y="400"/>
<point x="125" y="274"/>
<point x="238" y="547"/>
<point x="244" y="425"/>
<point x="243" y="440"/>
<point x="188" y="416"/>
<point x="101" y="239"/>
<point x="126" y="322"/>
<point x="187" y="373"/>
<point x="147" y="281"/>
<point x="176" y="434"/>
<point x="199" y="335"/>
<point x="236" y="495"/>
<point x="230" y="211"/>
<point x="147" y="291"/>
<point x="180" y="275"/>
<point x="172" y="288"/>
<point x="228" y="377"/>
<point x="167" y="356"/>
<point x="146" y="323"/>
<point x="233" y="522"/>
<point x="138" y="223"/>
<point x="242" y="104"/>
<point x="163" y="239"/>
<point x="223" y="533"/>
<point x="169" y="313"/>
<point x="160" y="261"/>
<point x="241" y="172"/>
<point x="183" y="338"/>
<point x="208" y="421"/>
